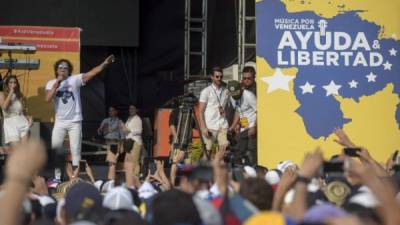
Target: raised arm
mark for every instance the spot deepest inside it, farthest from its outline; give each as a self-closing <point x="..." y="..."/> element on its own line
<point x="311" y="164"/>
<point x="96" y="70"/>
<point x="26" y="160"/>
<point x="380" y="187"/>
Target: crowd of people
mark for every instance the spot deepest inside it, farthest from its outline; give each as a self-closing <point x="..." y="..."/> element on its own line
<point x="216" y="192"/>
<point x="348" y="188"/>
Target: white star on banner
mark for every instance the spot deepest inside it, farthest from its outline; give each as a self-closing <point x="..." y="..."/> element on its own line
<point x="307" y="88"/>
<point x="371" y="77"/>
<point x="353" y="84"/>
<point x="332" y="88"/>
<point x="277" y="81"/>
<point x="393" y="52"/>
<point x="387" y="66"/>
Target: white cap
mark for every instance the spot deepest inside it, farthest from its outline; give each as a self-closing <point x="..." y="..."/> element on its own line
<point x="285" y="164"/>
<point x="107" y="186"/>
<point x="98" y="184"/>
<point x="118" y="198"/>
<point x="250" y="171"/>
<point x="272" y="177"/>
<point x="146" y="190"/>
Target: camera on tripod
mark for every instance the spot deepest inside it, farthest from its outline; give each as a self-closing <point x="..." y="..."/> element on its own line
<point x="188" y="100"/>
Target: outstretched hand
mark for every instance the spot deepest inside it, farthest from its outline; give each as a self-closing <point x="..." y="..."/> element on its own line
<point x="343" y="139"/>
<point x="110" y="59"/>
<point x="312" y="162"/>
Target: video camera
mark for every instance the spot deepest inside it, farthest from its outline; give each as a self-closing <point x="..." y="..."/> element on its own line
<point x="188" y="100"/>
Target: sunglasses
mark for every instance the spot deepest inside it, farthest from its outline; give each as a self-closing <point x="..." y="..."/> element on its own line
<point x="218" y="77"/>
<point x="62" y="67"/>
<point x="246" y="78"/>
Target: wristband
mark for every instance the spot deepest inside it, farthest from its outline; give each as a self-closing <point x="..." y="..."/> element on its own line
<point x="301" y="179"/>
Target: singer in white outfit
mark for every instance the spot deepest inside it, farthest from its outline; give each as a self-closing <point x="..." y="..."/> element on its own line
<point x="65" y="93"/>
<point x="16" y="124"/>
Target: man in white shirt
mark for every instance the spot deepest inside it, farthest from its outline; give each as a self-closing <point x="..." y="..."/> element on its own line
<point x="65" y="93"/>
<point x="245" y="119"/>
<point x="212" y="102"/>
<point x="111" y="127"/>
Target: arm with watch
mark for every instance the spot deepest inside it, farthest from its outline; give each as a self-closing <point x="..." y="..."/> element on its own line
<point x="311" y="164"/>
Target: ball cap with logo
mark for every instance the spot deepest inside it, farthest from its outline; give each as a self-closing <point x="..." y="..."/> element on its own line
<point x="82" y="197"/>
<point x="233" y="87"/>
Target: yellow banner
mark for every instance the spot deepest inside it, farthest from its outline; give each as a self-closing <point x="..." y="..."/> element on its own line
<point x="326" y="65"/>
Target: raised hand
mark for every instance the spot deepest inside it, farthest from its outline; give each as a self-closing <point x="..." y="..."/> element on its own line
<point x="178" y="157"/>
<point x="312" y="162"/>
<point x="364" y="155"/>
<point x="110" y="59"/>
<point x="26" y="160"/>
<point x="356" y="171"/>
<point x="343" y="139"/>
<point x="288" y="177"/>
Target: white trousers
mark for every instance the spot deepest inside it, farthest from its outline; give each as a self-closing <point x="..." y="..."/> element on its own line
<point x="74" y="130"/>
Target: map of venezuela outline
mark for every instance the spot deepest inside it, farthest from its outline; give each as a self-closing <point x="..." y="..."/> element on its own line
<point x="339" y="56"/>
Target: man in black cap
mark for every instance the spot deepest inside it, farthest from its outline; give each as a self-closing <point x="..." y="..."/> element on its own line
<point x="245" y="119"/>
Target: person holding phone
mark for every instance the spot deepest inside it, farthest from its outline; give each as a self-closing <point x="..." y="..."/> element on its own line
<point x="64" y="91"/>
<point x="16" y="124"/>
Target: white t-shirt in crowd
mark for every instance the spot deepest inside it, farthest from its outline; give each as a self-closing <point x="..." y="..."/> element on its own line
<point x="134" y="125"/>
<point x="214" y="98"/>
<point x="246" y="106"/>
<point x="67" y="99"/>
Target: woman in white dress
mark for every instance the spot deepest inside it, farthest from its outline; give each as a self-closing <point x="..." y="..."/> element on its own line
<point x="16" y="124"/>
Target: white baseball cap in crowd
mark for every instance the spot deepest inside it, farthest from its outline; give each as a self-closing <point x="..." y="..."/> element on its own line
<point x="273" y="177"/>
<point x="250" y="171"/>
<point x="118" y="198"/>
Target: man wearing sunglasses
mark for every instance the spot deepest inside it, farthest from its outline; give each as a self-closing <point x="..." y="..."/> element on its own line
<point x="213" y="122"/>
<point x="65" y="93"/>
<point x="248" y="79"/>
